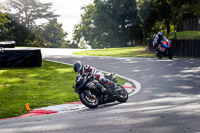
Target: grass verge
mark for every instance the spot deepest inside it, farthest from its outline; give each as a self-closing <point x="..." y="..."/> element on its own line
<point x="43" y="86"/>
<point x="138" y="51"/>
<point x="185" y="35"/>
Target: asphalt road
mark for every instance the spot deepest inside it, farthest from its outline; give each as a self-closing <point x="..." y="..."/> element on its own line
<point x="169" y="101"/>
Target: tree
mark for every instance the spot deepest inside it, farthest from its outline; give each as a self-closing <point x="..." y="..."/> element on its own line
<point x="118" y="21"/>
<point x="109" y="23"/>
<point x="184" y="9"/>
<point x="17" y="32"/>
<point x="163" y="10"/>
<point x="51" y="34"/>
<point x="2" y="7"/>
<point x="3" y="22"/>
<point x="21" y="26"/>
<point x="27" y="11"/>
<point x="86" y="29"/>
<point x="3" y="30"/>
<point x="155" y="15"/>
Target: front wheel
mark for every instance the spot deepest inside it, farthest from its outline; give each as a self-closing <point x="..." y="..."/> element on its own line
<point x="170" y="54"/>
<point x="121" y="94"/>
<point x="159" y="54"/>
<point x="91" y="102"/>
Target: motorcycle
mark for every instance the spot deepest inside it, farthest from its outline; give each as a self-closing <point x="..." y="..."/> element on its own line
<point x="91" y="96"/>
<point x="161" y="51"/>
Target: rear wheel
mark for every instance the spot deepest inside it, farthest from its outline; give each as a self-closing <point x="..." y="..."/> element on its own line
<point x="121" y="94"/>
<point x="91" y="102"/>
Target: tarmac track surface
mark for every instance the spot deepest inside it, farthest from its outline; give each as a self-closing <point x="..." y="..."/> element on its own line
<point x="169" y="101"/>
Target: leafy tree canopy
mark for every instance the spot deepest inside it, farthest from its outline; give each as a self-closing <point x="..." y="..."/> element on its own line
<point x="27" y="11"/>
<point x="109" y="23"/>
<point x="51" y="34"/>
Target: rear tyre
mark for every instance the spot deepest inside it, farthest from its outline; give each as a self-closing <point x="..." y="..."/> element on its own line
<point x="88" y="101"/>
<point x="121" y="94"/>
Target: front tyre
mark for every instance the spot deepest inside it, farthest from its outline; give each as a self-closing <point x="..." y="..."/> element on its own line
<point x="89" y="101"/>
<point x="170" y="54"/>
<point x="121" y="94"/>
<point x="159" y="55"/>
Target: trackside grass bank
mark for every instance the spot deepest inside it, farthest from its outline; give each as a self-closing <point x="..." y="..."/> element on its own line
<point x="43" y="86"/>
<point x="185" y="35"/>
<point x="138" y="51"/>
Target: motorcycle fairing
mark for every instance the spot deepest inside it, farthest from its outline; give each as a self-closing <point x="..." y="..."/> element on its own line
<point x="92" y="86"/>
<point x="80" y="83"/>
<point x="165" y="44"/>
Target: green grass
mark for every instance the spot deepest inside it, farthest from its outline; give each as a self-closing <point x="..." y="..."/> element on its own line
<point x="138" y="51"/>
<point x="43" y="86"/>
<point x="185" y="35"/>
<point x="121" y="81"/>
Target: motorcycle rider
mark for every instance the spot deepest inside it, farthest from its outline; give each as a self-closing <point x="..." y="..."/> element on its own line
<point x="158" y="39"/>
<point x="84" y="69"/>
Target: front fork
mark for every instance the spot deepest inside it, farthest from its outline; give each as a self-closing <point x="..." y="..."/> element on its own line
<point x="88" y="93"/>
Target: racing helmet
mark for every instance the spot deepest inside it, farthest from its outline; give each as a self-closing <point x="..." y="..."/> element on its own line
<point x="77" y="66"/>
<point x="160" y="35"/>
